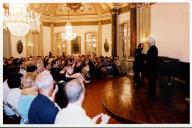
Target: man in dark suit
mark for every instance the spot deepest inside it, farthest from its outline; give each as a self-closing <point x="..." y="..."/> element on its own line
<point x="151" y="63"/>
<point x="138" y="64"/>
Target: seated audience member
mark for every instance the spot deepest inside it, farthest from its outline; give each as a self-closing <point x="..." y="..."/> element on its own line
<point x="40" y="66"/>
<point x="22" y="67"/>
<point x="92" y="67"/>
<point x="69" y="68"/>
<point x="31" y="67"/>
<point x="47" y="64"/>
<point x="43" y="109"/>
<point x="14" y="93"/>
<point x="5" y="84"/>
<point x="5" y="90"/>
<point x="74" y="113"/>
<point x="78" y="66"/>
<point x="115" y="70"/>
<point x="28" y="93"/>
<point x="118" y="64"/>
<point x="55" y="71"/>
<point x="85" y="70"/>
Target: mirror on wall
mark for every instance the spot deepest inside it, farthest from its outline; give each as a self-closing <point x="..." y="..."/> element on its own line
<point x="76" y="45"/>
<point x="61" y="44"/>
<point x="90" y="43"/>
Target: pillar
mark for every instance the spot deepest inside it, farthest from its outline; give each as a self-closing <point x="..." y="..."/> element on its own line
<point x="114" y="32"/>
<point x="133" y="28"/>
<point x="99" y="40"/>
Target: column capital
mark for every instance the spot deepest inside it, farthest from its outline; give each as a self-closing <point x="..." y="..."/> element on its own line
<point x="114" y="11"/>
<point x="99" y="22"/>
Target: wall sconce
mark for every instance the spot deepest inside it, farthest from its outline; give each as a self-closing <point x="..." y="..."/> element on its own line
<point x="143" y="40"/>
<point x="30" y="44"/>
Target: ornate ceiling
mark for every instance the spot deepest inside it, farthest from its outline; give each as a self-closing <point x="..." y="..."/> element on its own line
<point x="81" y="12"/>
<point x="76" y="9"/>
<point x="54" y="13"/>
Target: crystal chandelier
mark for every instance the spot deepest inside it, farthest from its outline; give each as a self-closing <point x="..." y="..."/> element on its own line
<point x="68" y="35"/>
<point x="19" y="21"/>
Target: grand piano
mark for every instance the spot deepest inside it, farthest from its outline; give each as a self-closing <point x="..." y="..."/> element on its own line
<point x="170" y="69"/>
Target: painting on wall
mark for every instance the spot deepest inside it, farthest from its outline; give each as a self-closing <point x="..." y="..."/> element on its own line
<point x="19" y="46"/>
<point x="106" y="45"/>
<point x="76" y="45"/>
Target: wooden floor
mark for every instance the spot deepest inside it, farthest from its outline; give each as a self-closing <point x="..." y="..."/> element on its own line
<point x="126" y="104"/>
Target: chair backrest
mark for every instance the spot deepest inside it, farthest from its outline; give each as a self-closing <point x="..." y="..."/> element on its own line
<point x="16" y="112"/>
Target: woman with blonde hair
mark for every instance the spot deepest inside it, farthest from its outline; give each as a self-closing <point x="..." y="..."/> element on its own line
<point x="28" y="93"/>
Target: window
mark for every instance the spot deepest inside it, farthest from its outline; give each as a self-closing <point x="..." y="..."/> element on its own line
<point x="125" y="39"/>
<point x="90" y="43"/>
<point x="61" y="44"/>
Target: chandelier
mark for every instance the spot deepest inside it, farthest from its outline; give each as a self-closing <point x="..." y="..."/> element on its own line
<point x="68" y="35"/>
<point x="19" y="21"/>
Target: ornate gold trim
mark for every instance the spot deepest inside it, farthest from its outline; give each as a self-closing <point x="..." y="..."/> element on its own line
<point x="123" y="10"/>
<point x="108" y="21"/>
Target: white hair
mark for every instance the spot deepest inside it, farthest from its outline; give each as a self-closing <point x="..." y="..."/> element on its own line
<point x="44" y="80"/>
<point x="151" y="41"/>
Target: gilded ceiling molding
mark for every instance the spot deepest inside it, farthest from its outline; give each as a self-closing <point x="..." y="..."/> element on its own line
<point x="124" y="9"/>
<point x="81" y="23"/>
<point x="140" y="5"/>
<point x="76" y="18"/>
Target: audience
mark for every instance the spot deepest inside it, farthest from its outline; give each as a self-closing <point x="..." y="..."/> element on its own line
<point x="74" y="113"/>
<point x="36" y="98"/>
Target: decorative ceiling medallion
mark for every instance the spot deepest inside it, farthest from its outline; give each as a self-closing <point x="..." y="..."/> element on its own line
<point x="74" y="6"/>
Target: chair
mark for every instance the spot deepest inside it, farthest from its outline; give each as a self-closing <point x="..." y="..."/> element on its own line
<point x="17" y="114"/>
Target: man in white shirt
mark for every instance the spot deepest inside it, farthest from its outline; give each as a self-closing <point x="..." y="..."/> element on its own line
<point x="74" y="113"/>
<point x="13" y="95"/>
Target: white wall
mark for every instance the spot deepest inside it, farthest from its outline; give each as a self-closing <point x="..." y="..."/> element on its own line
<point x="46" y="41"/>
<point x="106" y="34"/>
<point x="14" y="40"/>
<point x="80" y="31"/>
<point x="170" y="27"/>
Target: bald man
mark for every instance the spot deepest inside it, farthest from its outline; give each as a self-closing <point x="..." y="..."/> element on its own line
<point x="74" y="113"/>
<point x="151" y="62"/>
